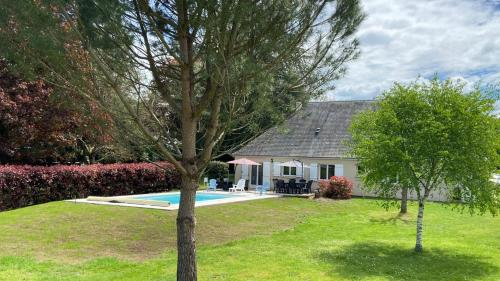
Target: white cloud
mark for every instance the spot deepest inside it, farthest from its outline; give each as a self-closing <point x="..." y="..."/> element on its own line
<point x="402" y="39"/>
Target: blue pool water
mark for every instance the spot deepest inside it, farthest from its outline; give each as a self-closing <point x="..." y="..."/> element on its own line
<point x="175" y="198"/>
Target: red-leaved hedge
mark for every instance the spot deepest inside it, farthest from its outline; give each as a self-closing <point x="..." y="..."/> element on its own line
<point x="336" y="187"/>
<point x="22" y="186"/>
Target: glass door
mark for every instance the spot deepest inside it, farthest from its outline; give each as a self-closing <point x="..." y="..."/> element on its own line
<point x="253" y="177"/>
<point x="256" y="177"/>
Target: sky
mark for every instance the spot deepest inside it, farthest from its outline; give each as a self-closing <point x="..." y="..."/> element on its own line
<point x="403" y="39"/>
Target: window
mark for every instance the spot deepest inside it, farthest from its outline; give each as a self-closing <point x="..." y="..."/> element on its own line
<point x="323" y="169"/>
<point x="289" y="171"/>
<point x="331" y="171"/>
<point x="326" y="171"/>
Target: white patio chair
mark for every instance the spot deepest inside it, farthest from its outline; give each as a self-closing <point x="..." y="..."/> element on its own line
<point x="240" y="186"/>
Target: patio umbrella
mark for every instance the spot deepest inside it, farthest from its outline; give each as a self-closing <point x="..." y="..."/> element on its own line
<point x="244" y="161"/>
<point x="296" y="164"/>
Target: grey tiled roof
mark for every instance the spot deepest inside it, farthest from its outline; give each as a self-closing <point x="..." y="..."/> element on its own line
<point x="296" y="137"/>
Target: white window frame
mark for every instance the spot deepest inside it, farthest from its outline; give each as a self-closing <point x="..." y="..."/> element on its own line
<point x="289" y="174"/>
<point x="327" y="170"/>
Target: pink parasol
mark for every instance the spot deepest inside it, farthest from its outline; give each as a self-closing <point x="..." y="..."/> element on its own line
<point x="244" y="161"/>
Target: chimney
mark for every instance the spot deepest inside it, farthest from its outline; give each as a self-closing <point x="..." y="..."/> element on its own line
<point x="317" y="131"/>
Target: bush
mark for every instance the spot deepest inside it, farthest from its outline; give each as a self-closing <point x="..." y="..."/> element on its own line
<point x="22" y="186"/>
<point x="336" y="188"/>
<point x="217" y="170"/>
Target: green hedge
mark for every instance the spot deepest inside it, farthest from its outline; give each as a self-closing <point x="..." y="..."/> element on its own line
<point x="217" y="170"/>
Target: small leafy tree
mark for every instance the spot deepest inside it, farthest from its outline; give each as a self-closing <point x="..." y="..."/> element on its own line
<point x="431" y="137"/>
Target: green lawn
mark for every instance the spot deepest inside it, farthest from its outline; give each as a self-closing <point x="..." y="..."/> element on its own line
<point x="275" y="239"/>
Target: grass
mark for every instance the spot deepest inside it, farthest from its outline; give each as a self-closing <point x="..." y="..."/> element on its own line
<point x="73" y="233"/>
<point x="275" y="239"/>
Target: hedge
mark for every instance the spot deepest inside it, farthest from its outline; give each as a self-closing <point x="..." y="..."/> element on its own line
<point x="22" y="186"/>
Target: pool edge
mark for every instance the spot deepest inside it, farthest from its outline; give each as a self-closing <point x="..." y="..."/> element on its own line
<point x="127" y="201"/>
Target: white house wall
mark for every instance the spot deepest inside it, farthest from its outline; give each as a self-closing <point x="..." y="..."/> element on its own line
<point x="348" y="168"/>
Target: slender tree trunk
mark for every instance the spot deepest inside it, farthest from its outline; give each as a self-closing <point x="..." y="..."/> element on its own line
<point x="418" y="246"/>
<point x="186" y="222"/>
<point x="186" y="241"/>
<point x="404" y="201"/>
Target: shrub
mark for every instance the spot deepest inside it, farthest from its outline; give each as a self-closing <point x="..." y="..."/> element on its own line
<point x="217" y="170"/>
<point x="22" y="186"/>
<point x="336" y="188"/>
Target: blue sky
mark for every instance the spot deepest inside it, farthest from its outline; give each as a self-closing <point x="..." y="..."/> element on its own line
<point x="403" y="39"/>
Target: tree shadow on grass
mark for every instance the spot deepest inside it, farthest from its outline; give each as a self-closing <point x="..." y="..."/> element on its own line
<point x="403" y="218"/>
<point x="371" y="260"/>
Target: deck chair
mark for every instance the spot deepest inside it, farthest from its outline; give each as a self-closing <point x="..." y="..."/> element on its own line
<point x="240" y="186"/>
<point x="212" y="185"/>
<point x="262" y="188"/>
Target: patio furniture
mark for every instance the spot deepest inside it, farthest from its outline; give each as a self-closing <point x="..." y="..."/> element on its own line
<point x="279" y="187"/>
<point x="292" y="187"/>
<point x="212" y="185"/>
<point x="307" y="188"/>
<point x="262" y="188"/>
<point x="224" y="185"/>
<point x="240" y="186"/>
<point x="301" y="186"/>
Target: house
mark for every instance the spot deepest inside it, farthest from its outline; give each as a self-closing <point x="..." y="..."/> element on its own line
<point x="316" y="136"/>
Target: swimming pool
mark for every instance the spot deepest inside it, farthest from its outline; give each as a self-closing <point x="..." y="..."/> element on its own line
<point x="175" y="198"/>
<point x="170" y="201"/>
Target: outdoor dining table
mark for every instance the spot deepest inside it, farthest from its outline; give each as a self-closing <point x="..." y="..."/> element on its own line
<point x="299" y="187"/>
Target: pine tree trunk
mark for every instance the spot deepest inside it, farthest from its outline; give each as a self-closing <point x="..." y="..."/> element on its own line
<point x="404" y="201"/>
<point x="186" y="242"/>
<point x="418" y="246"/>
